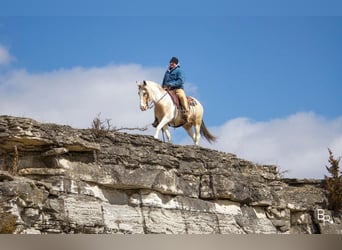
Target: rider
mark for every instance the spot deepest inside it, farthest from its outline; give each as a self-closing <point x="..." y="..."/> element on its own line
<point x="174" y="80"/>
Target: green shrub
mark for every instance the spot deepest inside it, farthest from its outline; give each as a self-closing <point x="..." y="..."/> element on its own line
<point x="334" y="183"/>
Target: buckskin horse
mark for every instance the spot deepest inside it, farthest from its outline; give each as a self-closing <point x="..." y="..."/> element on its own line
<point x="168" y="114"/>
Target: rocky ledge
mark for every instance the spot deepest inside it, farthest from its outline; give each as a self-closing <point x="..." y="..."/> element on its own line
<point x="58" y="179"/>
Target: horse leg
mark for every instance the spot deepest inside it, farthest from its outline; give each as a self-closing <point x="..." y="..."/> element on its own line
<point x="167" y="132"/>
<point x="164" y="121"/>
<point x="197" y="133"/>
<point x="197" y="122"/>
<point x="188" y="129"/>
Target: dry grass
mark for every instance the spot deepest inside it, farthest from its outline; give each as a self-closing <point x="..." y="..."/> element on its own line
<point x="7" y="223"/>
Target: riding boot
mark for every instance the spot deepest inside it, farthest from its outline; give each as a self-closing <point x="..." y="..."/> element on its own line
<point x="186" y="112"/>
<point x="186" y="115"/>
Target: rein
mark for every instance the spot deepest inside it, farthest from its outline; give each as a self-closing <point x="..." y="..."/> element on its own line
<point x="151" y="105"/>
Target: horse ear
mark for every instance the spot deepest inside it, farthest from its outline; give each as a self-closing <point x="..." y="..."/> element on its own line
<point x="144" y="83"/>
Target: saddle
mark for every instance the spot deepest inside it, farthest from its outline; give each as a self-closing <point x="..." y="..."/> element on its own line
<point x="176" y="101"/>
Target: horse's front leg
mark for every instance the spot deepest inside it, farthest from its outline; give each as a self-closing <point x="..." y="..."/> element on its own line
<point x="163" y="124"/>
<point x="167" y="132"/>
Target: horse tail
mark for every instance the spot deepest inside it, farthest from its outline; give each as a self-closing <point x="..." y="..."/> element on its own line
<point x="205" y="132"/>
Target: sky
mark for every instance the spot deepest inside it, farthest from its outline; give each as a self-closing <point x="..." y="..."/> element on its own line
<point x="269" y="78"/>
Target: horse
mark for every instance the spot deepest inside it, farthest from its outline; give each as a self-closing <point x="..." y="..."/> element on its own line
<point x="167" y="113"/>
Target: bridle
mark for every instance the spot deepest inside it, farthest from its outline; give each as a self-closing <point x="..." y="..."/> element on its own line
<point x="151" y="104"/>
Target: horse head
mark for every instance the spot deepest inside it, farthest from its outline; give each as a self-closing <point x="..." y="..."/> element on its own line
<point x="144" y="95"/>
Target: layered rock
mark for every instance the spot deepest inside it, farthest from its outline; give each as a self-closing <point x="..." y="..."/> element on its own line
<point x="58" y="179"/>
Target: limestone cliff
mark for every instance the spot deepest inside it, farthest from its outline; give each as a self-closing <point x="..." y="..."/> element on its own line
<point x="58" y="179"/>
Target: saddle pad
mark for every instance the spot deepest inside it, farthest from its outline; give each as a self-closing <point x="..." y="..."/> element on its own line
<point x="176" y="101"/>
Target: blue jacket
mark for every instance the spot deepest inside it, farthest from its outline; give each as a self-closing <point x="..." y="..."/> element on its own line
<point x="173" y="78"/>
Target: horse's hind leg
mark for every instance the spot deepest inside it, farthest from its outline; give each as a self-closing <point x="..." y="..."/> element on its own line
<point x="188" y="129"/>
<point x="197" y="135"/>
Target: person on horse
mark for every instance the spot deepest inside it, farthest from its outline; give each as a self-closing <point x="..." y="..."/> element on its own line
<point x="174" y="80"/>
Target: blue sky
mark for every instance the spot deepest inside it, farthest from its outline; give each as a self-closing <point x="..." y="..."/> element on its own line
<point x="261" y="67"/>
<point x="176" y="8"/>
<point x="270" y="83"/>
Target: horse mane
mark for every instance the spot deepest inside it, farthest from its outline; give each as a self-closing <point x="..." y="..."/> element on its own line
<point x="150" y="83"/>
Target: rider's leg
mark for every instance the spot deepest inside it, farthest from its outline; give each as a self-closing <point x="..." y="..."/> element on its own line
<point x="184" y="102"/>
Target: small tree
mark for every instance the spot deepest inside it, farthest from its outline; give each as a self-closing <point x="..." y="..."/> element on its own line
<point x="99" y="127"/>
<point x="334" y="183"/>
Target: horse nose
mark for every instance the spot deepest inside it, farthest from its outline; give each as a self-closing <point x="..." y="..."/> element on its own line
<point x="142" y="108"/>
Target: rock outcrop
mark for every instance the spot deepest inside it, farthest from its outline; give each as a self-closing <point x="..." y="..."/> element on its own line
<point x="58" y="179"/>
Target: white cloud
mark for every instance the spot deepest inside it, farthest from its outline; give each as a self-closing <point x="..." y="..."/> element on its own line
<point x="297" y="144"/>
<point x="75" y="96"/>
<point x="5" y="57"/>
